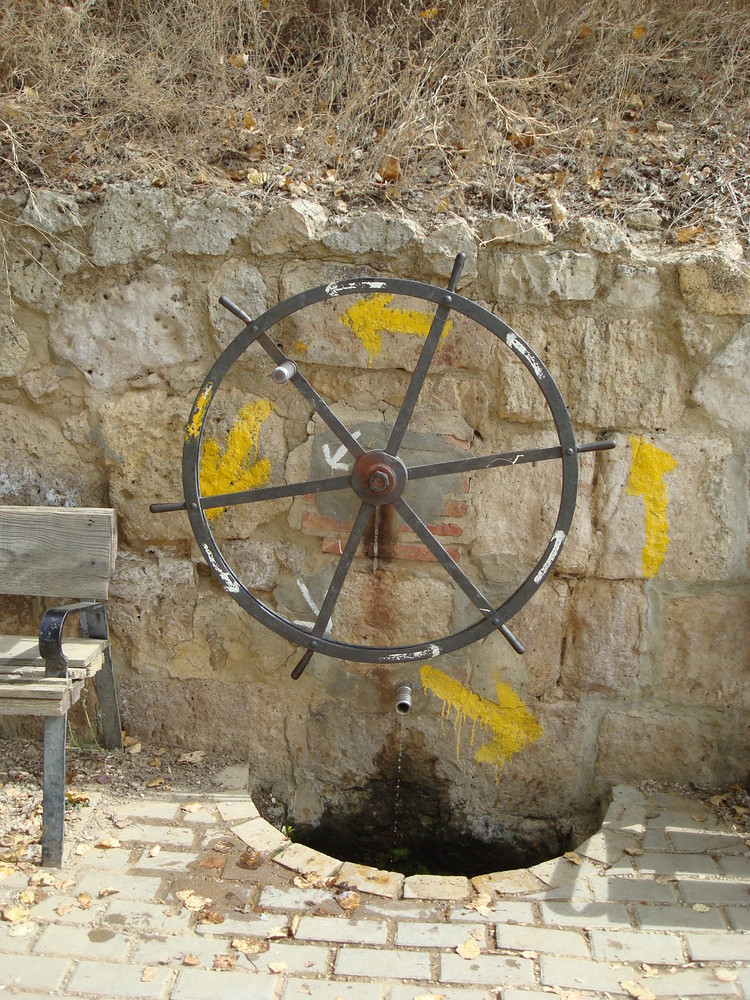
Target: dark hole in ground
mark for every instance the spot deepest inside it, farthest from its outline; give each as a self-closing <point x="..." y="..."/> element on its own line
<point x="419" y="829"/>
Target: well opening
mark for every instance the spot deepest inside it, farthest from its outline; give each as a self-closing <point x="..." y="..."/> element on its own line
<point x="404" y="817"/>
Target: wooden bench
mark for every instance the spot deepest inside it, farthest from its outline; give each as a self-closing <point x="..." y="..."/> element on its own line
<point x="63" y="553"/>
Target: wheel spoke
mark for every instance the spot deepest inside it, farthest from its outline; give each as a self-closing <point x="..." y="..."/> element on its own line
<point x="501" y="460"/>
<point x="423" y="364"/>
<point x="337" y="582"/>
<point x="445" y="559"/>
<point x="275" y="492"/>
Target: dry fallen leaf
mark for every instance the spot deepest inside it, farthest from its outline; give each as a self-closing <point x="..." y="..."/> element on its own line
<point x="62" y="908"/>
<point x="26" y="898"/>
<point x="154" y="850"/>
<point x="191" y="807"/>
<point x="155" y="782"/>
<point x="701" y="908"/>
<point x="639" y="31"/>
<point x="191" y="900"/>
<point x="726" y="975"/>
<point x="82" y="849"/>
<point x="250" y="859"/>
<point x="191" y="960"/>
<point x="277" y="967"/>
<point x="195" y="757"/>
<point x="309" y="880"/>
<point x="559" y="211"/>
<point x="216" y="863"/>
<point x="573" y="858"/>
<point x="584" y="32"/>
<point x="247" y="946"/>
<point x="238" y="60"/>
<point x="277" y="932"/>
<point x="108" y="843"/>
<point x="134" y="748"/>
<point x="637" y="991"/>
<point x="633" y="852"/>
<point x="84" y="900"/>
<point x="12" y="914"/>
<point x="210" y="917"/>
<point x="390" y="169"/>
<point x="468" y="949"/>
<point x="129" y="741"/>
<point x="225" y="963"/>
<point x="349" y="900"/>
<point x="148" y="975"/>
<point x="294" y="924"/>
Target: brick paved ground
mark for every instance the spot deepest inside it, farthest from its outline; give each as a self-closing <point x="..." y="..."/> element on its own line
<point x="203" y="899"/>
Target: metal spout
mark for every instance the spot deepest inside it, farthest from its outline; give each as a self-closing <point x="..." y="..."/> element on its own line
<point x="403" y="699"/>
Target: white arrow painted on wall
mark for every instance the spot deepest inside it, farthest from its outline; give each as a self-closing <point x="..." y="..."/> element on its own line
<point x="334" y="462"/>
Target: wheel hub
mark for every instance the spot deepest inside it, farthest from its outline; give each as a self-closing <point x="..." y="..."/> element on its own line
<point x="379" y="478"/>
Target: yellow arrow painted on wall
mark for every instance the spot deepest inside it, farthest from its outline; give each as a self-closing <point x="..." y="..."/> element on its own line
<point x="648" y="467"/>
<point x="372" y="315"/>
<point x="237" y="467"/>
<point x="512" y="726"/>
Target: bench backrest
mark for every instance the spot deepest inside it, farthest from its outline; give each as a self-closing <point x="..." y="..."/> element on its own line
<point x="65" y="552"/>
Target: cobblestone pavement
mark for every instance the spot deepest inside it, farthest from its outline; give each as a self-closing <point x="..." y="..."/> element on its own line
<point x="186" y="900"/>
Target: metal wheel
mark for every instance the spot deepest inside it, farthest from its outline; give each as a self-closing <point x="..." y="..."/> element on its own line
<point x="379" y="477"/>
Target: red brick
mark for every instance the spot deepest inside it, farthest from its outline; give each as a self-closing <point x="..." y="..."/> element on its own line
<point x="321" y="522"/>
<point x="455" y="508"/>
<point x="404" y="550"/>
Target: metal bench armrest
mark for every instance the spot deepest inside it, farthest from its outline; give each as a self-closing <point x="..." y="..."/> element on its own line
<point x="50" y="634"/>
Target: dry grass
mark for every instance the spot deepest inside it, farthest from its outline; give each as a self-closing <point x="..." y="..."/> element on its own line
<point x="482" y="103"/>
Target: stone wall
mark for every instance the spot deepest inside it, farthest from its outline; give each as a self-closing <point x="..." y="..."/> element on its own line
<point x="638" y="660"/>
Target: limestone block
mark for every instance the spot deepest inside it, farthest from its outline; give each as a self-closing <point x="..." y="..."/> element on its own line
<point x="124" y="332"/>
<point x="539" y="626"/>
<point x="37" y="271"/>
<point x="602" y="236"/>
<point x="262" y="563"/>
<point x="704" y="336"/>
<point x="524" y="230"/>
<point x="374" y="233"/>
<point x="38" y="466"/>
<point x="131" y="223"/>
<point x="603" y="637"/>
<point x="592" y="362"/>
<point x="52" y="212"/>
<point x="14" y="348"/>
<point x="722" y="388"/>
<point x="712" y="282"/>
<point x="244" y="285"/>
<point x="706" y="657"/>
<point x="210" y="226"/>
<point x="143" y="435"/>
<point x="643" y="745"/>
<point x="462" y="394"/>
<point x="694" y="511"/>
<point x="292" y="226"/>
<point x="635" y="287"/>
<point x="378" y="330"/>
<point x="643" y="219"/>
<point x="564" y="275"/>
<point x="516" y="509"/>
<point x="442" y="245"/>
<point x="41" y="382"/>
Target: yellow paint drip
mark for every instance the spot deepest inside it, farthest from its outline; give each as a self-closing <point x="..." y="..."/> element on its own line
<point x="512" y="726"/>
<point x="193" y="429"/>
<point x="369" y="317"/>
<point x="648" y="467"/>
<point x="237" y="467"/>
<point x="300" y="347"/>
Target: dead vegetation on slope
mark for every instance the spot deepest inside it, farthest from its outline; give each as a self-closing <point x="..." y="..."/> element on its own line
<point x="454" y="105"/>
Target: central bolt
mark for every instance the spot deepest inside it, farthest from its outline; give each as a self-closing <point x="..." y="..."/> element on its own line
<point x="379" y="482"/>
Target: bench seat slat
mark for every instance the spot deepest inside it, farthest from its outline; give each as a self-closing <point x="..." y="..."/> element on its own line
<point x="50" y="696"/>
<point x="19" y="652"/>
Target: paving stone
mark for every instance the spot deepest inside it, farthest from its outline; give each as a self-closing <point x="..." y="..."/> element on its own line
<point x="260" y="835"/>
<point x="698" y="843"/>
<point x="168" y="861"/>
<point x="561" y="872"/>
<point x="743" y="981"/>
<point x="341" y="929"/>
<point x="636" y="946"/>
<point x="606" y="846"/>
<point x="676" y="918"/>
<point x="725" y="947"/>
<point x="316" y="990"/>
<point x="298" y="959"/>
<point x="632" y="890"/>
<point x="506" y="911"/>
<point x="655" y="840"/>
<point x="585" y="914"/>
<point x="382" y="963"/>
<point x="150" y="833"/>
<point x="144" y="916"/>
<point x="32" y="972"/>
<point x="663" y="863"/>
<point x="203" y="816"/>
<point x="155" y="949"/>
<point x="691" y="983"/>
<point x="22" y="996"/>
<point x="580" y="974"/>
<point x="300" y="858"/>
<point x="436" y="887"/>
<point x="417" y="934"/>
<point x="117" y="979"/>
<point x="708" y="891"/>
<point x="542" y="940"/>
<point x="145" y="887"/>
<point x="205" y="984"/>
<point x="577" y="892"/>
<point x="46" y="911"/>
<point x="274" y="898"/>
<point x="83" y="942"/>
<point x="510" y="883"/>
<point x="736" y="867"/>
<point x="625" y="817"/>
<point x="499" y="970"/>
<point x="236" y="809"/>
<point x="112" y="859"/>
<point x="690" y="820"/>
<point x="372" y="880"/>
<point x="258" y="927"/>
<point x="379" y="907"/>
<point x="147" y="809"/>
<point x="445" y="993"/>
<point x="525" y="995"/>
<point x="739" y="917"/>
